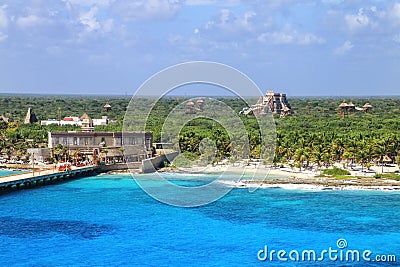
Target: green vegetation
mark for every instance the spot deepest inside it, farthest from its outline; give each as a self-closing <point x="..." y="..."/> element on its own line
<point x="336" y="172"/>
<point x="314" y="136"/>
<point x="391" y="176"/>
<point x="46" y="107"/>
<point x="317" y="135"/>
<point x="345" y="177"/>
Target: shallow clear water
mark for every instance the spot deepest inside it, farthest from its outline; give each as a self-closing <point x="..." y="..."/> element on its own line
<point x="109" y="221"/>
<point x="4" y="172"/>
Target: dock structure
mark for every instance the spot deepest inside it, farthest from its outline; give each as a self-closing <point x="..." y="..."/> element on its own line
<point x="52" y="176"/>
<point x="32" y="179"/>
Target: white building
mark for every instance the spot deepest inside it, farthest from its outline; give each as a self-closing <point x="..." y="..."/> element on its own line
<point x="75" y="121"/>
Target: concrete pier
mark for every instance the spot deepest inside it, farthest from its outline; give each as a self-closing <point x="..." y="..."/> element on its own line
<point x="30" y="179"/>
<point x="36" y="178"/>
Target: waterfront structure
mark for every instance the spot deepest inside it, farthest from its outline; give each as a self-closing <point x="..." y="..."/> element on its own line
<point x="30" y="117"/>
<point x="130" y="146"/>
<point x="275" y="103"/>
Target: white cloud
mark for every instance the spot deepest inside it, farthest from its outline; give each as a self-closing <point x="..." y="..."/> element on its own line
<point x="89" y="20"/>
<point x="249" y="27"/>
<point x="92" y="24"/>
<point x="135" y="10"/>
<point x="88" y="2"/>
<point x="358" y="21"/>
<point x="3" y="37"/>
<point x="344" y="49"/>
<point x="290" y="37"/>
<point x="3" y="17"/>
<point x="276" y="38"/>
<point x="211" y="2"/>
<point x="334" y="2"/>
<point x="309" y="38"/>
<point x="277" y="4"/>
<point x="394" y="14"/>
<point x="31" y="21"/>
<point x="365" y="17"/>
<point x="227" y="21"/>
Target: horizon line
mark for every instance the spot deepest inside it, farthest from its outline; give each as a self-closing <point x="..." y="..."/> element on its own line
<point x="186" y="96"/>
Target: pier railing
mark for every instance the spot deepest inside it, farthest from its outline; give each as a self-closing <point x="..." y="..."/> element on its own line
<point x="26" y="180"/>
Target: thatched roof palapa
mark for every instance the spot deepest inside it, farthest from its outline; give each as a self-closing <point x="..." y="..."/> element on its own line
<point x="367" y="105"/>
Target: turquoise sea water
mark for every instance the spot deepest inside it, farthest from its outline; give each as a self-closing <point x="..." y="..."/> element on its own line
<point x="5" y="172"/>
<point x="109" y="221"/>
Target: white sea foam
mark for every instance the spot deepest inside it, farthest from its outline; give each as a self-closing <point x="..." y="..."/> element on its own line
<point x="309" y="186"/>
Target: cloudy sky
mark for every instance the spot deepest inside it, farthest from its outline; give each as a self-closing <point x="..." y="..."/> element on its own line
<point x="301" y="47"/>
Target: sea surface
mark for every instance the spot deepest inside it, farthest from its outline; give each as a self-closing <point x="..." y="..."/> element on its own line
<point x="109" y="220"/>
<point x="6" y="172"/>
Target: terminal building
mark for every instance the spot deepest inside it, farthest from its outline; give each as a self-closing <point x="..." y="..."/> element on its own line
<point x="129" y="146"/>
<point x="118" y="146"/>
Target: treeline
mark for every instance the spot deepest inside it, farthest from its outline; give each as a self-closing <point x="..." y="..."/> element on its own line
<point x="314" y="135"/>
<point x="15" y="107"/>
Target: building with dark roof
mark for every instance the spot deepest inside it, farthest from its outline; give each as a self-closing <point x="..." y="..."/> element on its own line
<point x="133" y="146"/>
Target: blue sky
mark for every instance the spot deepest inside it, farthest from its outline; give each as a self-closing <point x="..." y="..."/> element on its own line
<point x="301" y="47"/>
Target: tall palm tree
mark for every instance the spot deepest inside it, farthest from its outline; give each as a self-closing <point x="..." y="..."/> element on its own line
<point x="398" y="160"/>
<point x="362" y="158"/>
<point x="346" y="156"/>
<point x="327" y="159"/>
<point x="60" y="151"/>
<point x="380" y="152"/>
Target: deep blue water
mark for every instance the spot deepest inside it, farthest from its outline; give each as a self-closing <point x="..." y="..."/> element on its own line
<point x="110" y="221"/>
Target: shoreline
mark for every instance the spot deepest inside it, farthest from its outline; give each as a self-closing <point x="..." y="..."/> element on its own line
<point x="303" y="180"/>
<point x="319" y="184"/>
<point x="263" y="177"/>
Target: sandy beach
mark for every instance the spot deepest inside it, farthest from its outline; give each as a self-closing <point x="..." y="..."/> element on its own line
<point x="254" y="176"/>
